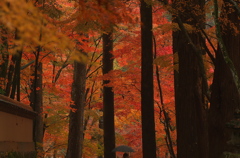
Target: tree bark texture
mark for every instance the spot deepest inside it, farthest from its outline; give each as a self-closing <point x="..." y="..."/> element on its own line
<point x="16" y="77"/>
<point x="37" y="105"/>
<point x="191" y="120"/>
<point x="108" y="99"/>
<point x="147" y="103"/>
<point x="4" y="56"/>
<point x="13" y="80"/>
<point x="76" y="115"/>
<point x="225" y="97"/>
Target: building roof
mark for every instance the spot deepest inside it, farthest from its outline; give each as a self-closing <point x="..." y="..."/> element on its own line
<point x="17" y="108"/>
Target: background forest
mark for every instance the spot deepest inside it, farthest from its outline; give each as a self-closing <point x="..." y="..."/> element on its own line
<point x="160" y="76"/>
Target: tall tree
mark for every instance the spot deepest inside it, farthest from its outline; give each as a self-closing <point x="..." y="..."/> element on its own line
<point x="76" y="116"/>
<point x="190" y="91"/>
<point x="147" y="107"/>
<point x="108" y="98"/>
<point x="225" y="97"/>
<point x="36" y="103"/>
<point x="4" y="56"/>
<point x="36" y="95"/>
<point x="16" y="77"/>
<point x="13" y="83"/>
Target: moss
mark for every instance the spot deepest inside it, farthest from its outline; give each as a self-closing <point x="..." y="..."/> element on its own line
<point x="231" y="155"/>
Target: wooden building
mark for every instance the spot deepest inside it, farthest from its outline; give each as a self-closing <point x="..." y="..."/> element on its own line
<point x="16" y="127"/>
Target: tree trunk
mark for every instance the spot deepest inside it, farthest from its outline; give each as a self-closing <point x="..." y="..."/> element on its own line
<point x="37" y="105"/>
<point x="76" y="115"/>
<point x="16" y="77"/>
<point x="108" y="99"/>
<point x="13" y="84"/>
<point x="192" y="140"/>
<point x="10" y="75"/>
<point x="147" y="108"/>
<point x="225" y="97"/>
<point x="4" y="60"/>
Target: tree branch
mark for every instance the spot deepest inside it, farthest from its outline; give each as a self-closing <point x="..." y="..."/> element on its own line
<point x="198" y="53"/>
<point x="223" y="48"/>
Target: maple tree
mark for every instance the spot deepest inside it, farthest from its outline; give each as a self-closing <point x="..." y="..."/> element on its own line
<point x="53" y="88"/>
<point x="43" y="43"/>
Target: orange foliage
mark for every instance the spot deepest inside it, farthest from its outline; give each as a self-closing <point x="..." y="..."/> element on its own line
<point x="77" y="28"/>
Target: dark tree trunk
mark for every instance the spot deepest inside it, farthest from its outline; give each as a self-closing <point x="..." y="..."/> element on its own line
<point x="192" y="139"/>
<point x="4" y="60"/>
<point x="225" y="97"/>
<point x="16" y="77"/>
<point x="76" y="116"/>
<point x="37" y="105"/>
<point x="108" y="99"/>
<point x="10" y="75"/>
<point x="147" y="108"/>
<point x="13" y="84"/>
